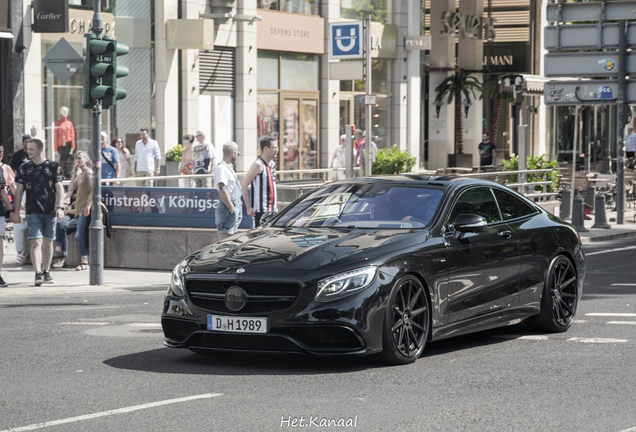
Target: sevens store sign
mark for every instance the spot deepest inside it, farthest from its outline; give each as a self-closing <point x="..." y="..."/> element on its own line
<point x="468" y="26"/>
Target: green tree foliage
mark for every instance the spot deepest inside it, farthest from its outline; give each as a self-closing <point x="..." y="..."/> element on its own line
<point x="393" y="161"/>
<point x="174" y="154"/>
<point x="534" y="162"/>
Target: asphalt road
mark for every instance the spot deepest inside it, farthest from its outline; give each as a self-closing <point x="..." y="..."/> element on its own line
<point x="95" y="362"/>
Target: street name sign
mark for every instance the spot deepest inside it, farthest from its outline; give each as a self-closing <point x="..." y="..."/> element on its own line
<point x="345" y="40"/>
<point x="586" y="64"/>
<point x="63" y="61"/>
<point x="417" y="42"/>
<point x="370" y="99"/>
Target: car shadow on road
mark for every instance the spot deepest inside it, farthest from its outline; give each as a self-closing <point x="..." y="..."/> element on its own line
<point x="181" y="361"/>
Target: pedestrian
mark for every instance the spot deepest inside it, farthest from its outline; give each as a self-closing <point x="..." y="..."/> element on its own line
<point x="362" y="154"/>
<point x="203" y="155"/>
<point x="229" y="211"/>
<point x="338" y="160"/>
<point x="487" y="151"/>
<point x="187" y="162"/>
<point x="125" y="158"/>
<point x="262" y="177"/>
<point x="21" y="155"/>
<point x="630" y="143"/>
<point x="9" y="208"/>
<point x="147" y="158"/>
<point x="109" y="158"/>
<point x="357" y="138"/>
<point x="82" y="181"/>
<point x="42" y="180"/>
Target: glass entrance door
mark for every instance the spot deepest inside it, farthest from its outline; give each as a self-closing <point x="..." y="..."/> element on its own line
<point x="299" y="132"/>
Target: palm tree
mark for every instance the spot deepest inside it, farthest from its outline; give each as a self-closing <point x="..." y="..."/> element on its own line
<point x="492" y="89"/>
<point x="452" y="88"/>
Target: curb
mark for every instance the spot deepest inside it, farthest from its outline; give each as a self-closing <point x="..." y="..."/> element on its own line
<point x="599" y="238"/>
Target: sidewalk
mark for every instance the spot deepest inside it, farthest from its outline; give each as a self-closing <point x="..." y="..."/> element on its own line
<point x="628" y="229"/>
<point x="21" y="279"/>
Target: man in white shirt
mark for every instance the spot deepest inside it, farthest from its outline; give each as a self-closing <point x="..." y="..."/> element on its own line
<point x="630" y="143"/>
<point x="147" y="158"/>
<point x="229" y="211"/>
<point x="203" y="155"/>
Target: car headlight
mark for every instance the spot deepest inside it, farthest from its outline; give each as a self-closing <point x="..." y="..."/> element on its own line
<point x="345" y="284"/>
<point x="176" y="284"/>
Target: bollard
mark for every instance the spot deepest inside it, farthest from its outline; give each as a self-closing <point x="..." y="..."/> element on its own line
<point x="565" y="203"/>
<point x="590" y="193"/>
<point x="600" y="221"/>
<point x="577" y="214"/>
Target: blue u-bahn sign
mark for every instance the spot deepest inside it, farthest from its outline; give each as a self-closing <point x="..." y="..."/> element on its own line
<point x="345" y="40"/>
<point x="165" y="207"/>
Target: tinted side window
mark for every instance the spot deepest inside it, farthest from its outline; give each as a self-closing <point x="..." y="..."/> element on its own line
<point x="511" y="206"/>
<point x="477" y="201"/>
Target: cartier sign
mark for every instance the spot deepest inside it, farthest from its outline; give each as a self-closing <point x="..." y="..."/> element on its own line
<point x="50" y="16"/>
<point x="468" y="26"/>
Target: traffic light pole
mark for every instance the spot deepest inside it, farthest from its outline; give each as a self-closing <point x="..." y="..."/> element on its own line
<point x="96" y="229"/>
<point x="622" y="120"/>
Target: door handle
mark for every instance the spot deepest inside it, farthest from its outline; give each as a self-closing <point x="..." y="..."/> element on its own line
<point x="505" y="234"/>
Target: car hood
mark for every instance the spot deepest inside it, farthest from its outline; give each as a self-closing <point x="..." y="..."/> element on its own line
<point x="300" y="249"/>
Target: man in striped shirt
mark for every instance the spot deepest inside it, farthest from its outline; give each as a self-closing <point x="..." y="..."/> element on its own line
<point x="262" y="177"/>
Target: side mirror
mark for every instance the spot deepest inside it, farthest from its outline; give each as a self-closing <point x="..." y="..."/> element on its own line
<point x="468" y="223"/>
<point x="267" y="216"/>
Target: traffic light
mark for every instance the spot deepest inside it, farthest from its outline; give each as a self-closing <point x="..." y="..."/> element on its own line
<point x="119" y="72"/>
<point x="95" y="69"/>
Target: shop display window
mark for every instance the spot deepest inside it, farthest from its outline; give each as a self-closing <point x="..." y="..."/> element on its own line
<point x="381" y="11"/>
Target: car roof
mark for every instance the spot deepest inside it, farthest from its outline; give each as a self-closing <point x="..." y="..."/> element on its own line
<point x="445" y="181"/>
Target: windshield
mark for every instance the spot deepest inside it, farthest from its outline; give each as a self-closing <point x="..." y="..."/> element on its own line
<point x="364" y="206"/>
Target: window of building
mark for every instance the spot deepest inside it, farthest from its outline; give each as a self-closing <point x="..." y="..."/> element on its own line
<point x="106" y="5"/>
<point x="299" y="72"/>
<point x="306" y="7"/>
<point x="381" y="11"/>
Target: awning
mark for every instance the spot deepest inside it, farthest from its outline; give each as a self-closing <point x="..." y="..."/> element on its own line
<point x="6" y="35"/>
<point x="533" y="84"/>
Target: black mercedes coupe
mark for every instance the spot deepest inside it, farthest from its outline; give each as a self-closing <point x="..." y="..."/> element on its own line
<point x="379" y="266"/>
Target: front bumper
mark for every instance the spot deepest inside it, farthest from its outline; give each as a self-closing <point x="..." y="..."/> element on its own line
<point x="348" y="326"/>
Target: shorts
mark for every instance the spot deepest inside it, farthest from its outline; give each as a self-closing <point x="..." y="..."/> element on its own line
<point x="41" y="225"/>
<point x="226" y="222"/>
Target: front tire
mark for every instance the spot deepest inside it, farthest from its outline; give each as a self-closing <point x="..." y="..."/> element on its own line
<point x="406" y="324"/>
<point x="560" y="297"/>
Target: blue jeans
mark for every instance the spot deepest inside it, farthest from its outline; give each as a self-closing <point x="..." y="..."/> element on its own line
<point x="80" y="235"/>
<point x="226" y="222"/>
<point x="64" y="226"/>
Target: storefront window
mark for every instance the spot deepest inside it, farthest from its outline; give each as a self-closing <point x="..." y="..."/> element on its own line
<point x="306" y="7"/>
<point x="299" y="72"/>
<point x="106" y="5"/>
<point x="267" y="115"/>
<point x="267" y="70"/>
<point x="381" y="11"/>
<point x="57" y="95"/>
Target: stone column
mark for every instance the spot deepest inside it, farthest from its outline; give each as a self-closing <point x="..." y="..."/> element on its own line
<point x="400" y="92"/>
<point x="470" y="57"/>
<point x="441" y="120"/>
<point x="329" y="91"/>
<point x="32" y="87"/>
<point x="167" y="79"/>
<point x="245" y="87"/>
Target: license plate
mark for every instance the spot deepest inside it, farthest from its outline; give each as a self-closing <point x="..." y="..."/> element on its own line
<point x="237" y="325"/>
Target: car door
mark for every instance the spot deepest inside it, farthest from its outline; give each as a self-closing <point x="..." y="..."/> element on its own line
<point x="483" y="267"/>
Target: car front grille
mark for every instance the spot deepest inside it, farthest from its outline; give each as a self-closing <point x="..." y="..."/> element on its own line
<point x="178" y="329"/>
<point x="262" y="297"/>
<point x="242" y="342"/>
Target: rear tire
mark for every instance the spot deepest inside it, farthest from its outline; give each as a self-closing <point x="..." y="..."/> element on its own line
<point x="406" y="323"/>
<point x="560" y="298"/>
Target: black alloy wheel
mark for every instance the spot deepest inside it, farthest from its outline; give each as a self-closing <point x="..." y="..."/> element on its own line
<point x="407" y="322"/>
<point x="560" y="297"/>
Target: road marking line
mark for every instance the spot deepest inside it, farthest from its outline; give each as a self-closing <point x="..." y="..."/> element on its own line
<point x="596" y="340"/>
<point x="624" y="284"/>
<point x="612" y="314"/>
<point x="158" y="325"/>
<point x="630" y="430"/>
<point x="579" y="321"/>
<point x="610" y="250"/>
<point x="623" y="322"/>
<point x="94" y="323"/>
<point x="519" y="337"/>
<point x="111" y="412"/>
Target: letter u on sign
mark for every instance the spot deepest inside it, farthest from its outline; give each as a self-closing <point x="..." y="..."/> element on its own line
<point x="345" y="40"/>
